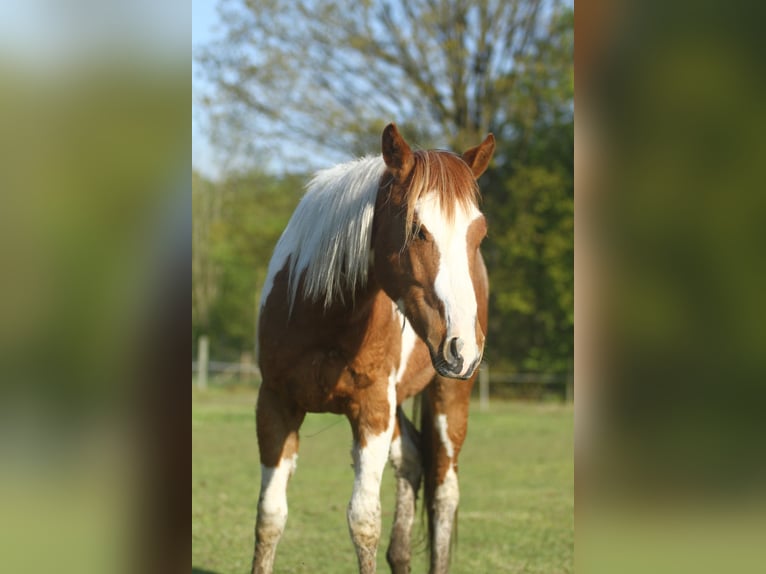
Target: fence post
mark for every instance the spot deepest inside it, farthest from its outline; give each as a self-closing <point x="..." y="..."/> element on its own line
<point x="484" y="387"/>
<point x="246" y="365"/>
<point x="202" y="363"/>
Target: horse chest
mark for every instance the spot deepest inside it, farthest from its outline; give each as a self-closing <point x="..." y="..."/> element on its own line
<point x="326" y="369"/>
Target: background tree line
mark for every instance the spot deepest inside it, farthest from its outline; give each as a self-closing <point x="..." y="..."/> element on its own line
<point x="320" y="80"/>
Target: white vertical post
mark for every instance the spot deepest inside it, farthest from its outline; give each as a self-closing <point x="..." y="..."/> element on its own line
<point x="484" y="387"/>
<point x="202" y="362"/>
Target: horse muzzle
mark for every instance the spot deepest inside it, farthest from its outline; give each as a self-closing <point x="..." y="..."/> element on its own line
<point x="449" y="360"/>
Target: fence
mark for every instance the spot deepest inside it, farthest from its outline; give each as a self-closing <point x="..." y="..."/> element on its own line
<point x="537" y="386"/>
<point x="523" y="385"/>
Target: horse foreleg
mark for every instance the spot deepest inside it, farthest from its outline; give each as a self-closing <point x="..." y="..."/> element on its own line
<point x="445" y="421"/>
<point x="446" y="499"/>
<point x="405" y="458"/>
<point x="277" y="426"/>
<point x="373" y="426"/>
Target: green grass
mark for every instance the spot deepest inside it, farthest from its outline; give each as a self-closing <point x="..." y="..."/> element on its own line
<point x="516" y="507"/>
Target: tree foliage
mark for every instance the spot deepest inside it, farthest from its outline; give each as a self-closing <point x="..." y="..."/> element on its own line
<point x="330" y="75"/>
<point x="529" y="202"/>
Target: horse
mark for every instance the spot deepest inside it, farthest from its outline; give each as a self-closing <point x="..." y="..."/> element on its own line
<point x="376" y="292"/>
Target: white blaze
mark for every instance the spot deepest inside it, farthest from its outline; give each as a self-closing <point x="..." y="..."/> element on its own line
<point x="453" y="283"/>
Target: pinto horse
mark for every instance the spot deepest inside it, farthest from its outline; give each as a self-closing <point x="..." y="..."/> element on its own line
<point x="376" y="291"/>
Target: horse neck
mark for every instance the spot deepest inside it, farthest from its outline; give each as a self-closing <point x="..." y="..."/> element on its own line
<point x="364" y="301"/>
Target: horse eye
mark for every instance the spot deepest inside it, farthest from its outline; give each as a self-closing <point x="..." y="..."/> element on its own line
<point x="417" y="232"/>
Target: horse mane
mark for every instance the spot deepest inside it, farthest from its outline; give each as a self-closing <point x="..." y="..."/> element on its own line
<point x="330" y="233"/>
<point x="328" y="238"/>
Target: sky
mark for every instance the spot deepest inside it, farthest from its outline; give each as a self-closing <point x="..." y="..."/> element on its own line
<point x="204" y="29"/>
<point x="46" y="34"/>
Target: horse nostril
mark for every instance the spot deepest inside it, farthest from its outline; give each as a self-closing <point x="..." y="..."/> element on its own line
<point x="455" y="346"/>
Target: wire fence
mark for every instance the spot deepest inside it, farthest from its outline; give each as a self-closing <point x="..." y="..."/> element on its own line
<point x="491" y="384"/>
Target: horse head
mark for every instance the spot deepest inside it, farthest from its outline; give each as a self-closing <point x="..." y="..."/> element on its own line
<point x="426" y="237"/>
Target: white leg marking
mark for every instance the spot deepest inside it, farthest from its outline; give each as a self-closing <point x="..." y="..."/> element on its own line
<point x="446" y="499"/>
<point x="445" y="504"/>
<point x="272" y="511"/>
<point x="405" y="459"/>
<point x="364" y="509"/>
<point x="395" y="453"/>
<point x="368" y="467"/>
<point x="273" y="499"/>
<point x="453" y="283"/>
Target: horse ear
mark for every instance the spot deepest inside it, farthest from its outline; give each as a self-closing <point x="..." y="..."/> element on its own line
<point x="478" y="157"/>
<point x="396" y="153"/>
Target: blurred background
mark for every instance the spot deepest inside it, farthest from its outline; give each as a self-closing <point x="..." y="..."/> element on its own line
<point x="95" y="217"/>
<point x="669" y="290"/>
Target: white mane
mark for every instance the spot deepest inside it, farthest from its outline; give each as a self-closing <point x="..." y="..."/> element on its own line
<point x="330" y="233"/>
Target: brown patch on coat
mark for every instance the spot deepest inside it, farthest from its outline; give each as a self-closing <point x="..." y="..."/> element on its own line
<point x="336" y="360"/>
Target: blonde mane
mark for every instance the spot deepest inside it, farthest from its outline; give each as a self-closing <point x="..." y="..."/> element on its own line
<point x="329" y="235"/>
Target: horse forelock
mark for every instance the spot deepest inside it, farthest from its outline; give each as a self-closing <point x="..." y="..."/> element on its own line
<point x="448" y="177"/>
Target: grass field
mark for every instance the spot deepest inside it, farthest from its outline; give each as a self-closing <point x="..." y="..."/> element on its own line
<point x="516" y="507"/>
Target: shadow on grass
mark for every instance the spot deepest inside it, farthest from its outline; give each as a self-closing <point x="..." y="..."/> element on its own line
<point x="201" y="571"/>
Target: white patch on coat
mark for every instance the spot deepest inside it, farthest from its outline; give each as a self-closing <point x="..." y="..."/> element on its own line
<point x="453" y="284"/>
<point x="395" y="452"/>
<point x="441" y="426"/>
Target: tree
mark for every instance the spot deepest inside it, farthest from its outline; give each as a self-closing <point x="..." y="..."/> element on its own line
<point x="334" y="73"/>
<point x="237" y="223"/>
<point x="206" y="271"/>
